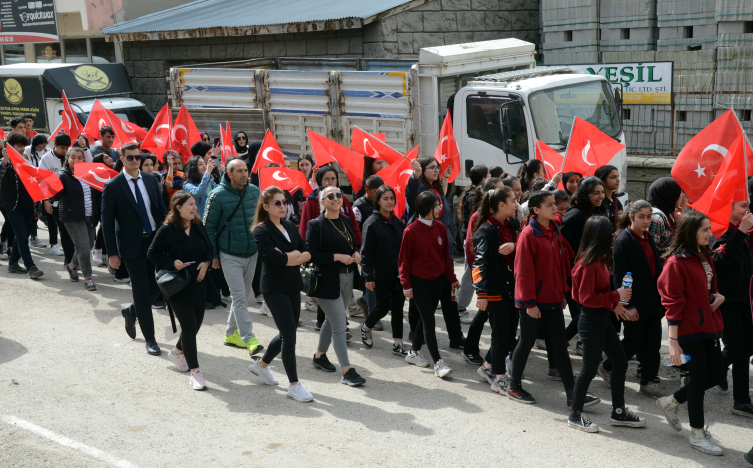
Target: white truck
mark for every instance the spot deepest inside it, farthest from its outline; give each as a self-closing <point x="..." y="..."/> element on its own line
<point x="37" y="89"/>
<point x="499" y="100"/>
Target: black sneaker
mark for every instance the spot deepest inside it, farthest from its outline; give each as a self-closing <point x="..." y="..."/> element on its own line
<point x="473" y="358"/>
<point x="159" y="305"/>
<point x="461" y="310"/>
<point x="579" y="349"/>
<point x="553" y="374"/>
<point x="724" y="384"/>
<point x="399" y="350"/>
<point x="590" y="400"/>
<point x="459" y="344"/>
<point x="743" y="410"/>
<point x="318" y="326"/>
<point x="749" y="456"/>
<point x="625" y="417"/>
<point x="351" y="378"/>
<point x="72" y="272"/>
<point x="639" y="373"/>
<point x="582" y="423"/>
<point x="16" y="268"/>
<point x="520" y="395"/>
<point x="366" y="336"/>
<point x="35" y="273"/>
<point x="323" y="363"/>
<point x="378" y="326"/>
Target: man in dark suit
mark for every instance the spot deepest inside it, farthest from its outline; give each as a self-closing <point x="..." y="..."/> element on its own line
<point x="132" y="210"/>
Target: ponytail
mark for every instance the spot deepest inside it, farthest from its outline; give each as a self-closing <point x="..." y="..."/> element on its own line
<point x="487" y="185"/>
<point x="490" y="201"/>
<point x="526" y="172"/>
<point x="537" y="199"/>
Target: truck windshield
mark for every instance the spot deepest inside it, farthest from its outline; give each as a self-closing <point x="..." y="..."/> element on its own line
<point x="554" y="111"/>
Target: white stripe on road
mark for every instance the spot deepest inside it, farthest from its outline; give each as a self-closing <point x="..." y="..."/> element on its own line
<point x="62" y="440"/>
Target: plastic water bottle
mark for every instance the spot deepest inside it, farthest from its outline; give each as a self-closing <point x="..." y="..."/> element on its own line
<point x="627" y="283"/>
<point x="683" y="359"/>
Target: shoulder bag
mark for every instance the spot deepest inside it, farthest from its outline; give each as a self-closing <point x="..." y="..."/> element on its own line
<point x="172" y="281"/>
<point x="310" y="273"/>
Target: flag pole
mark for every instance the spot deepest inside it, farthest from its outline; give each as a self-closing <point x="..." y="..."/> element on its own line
<point x="75" y="120"/>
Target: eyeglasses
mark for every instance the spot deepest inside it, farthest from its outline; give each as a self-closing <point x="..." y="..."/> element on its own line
<point x="132" y="157"/>
<point x="437" y="207"/>
<point x="432" y="168"/>
<point x="332" y="196"/>
<point x="280" y="203"/>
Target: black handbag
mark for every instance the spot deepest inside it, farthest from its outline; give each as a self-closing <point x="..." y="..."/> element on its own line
<point x="311" y="273"/>
<point x="171" y="282"/>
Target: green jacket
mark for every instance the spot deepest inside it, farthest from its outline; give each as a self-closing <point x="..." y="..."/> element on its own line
<point x="236" y="239"/>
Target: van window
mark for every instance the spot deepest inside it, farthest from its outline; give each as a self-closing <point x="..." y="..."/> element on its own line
<point x="483" y="122"/>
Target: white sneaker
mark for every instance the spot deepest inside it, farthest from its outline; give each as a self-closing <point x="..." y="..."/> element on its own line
<point x="178" y="359"/>
<point x="54" y="250"/>
<point x="466" y="317"/>
<point x="264" y="310"/>
<point x="4" y="251"/>
<point x="311" y="304"/>
<point x="669" y="407"/>
<point x="123" y="280"/>
<point x="499" y="385"/>
<point x="35" y="242"/>
<point x="197" y="380"/>
<point x="354" y="309"/>
<point x="700" y="439"/>
<point x="263" y="373"/>
<point x="485" y="373"/>
<point x="541" y="344"/>
<point x="97" y="257"/>
<point x="416" y="360"/>
<point x="441" y="369"/>
<point x="298" y="393"/>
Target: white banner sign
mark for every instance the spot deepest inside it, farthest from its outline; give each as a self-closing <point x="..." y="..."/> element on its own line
<point x="640" y="83"/>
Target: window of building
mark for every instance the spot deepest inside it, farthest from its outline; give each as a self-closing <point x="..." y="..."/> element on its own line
<point x="682" y="116"/>
<point x="75" y="51"/>
<point x="102" y="51"/>
<point x="626" y="113"/>
<point x="747" y="27"/>
<point x="568" y="36"/>
<point x="745" y="115"/>
<point x="625" y="33"/>
<point x="687" y="32"/>
<point x="48" y="52"/>
<point x="13" y="53"/>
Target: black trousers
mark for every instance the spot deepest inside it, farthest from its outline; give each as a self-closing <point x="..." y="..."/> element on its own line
<point x="738" y="348"/>
<point x="503" y="319"/>
<point x="65" y="239"/>
<point x="143" y="288"/>
<point x="574" y="308"/>
<point x="426" y="297"/>
<point x="6" y="233"/>
<point x="449" y="312"/>
<point x="549" y="356"/>
<point x="389" y="297"/>
<point x="643" y="338"/>
<point x="706" y="368"/>
<point x="598" y="335"/>
<point x="286" y="310"/>
<point x="554" y="322"/>
<point x="189" y="315"/>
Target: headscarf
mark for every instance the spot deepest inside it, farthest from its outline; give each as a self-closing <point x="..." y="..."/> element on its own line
<point x="200" y="148"/>
<point x="320" y="176"/>
<point x="241" y="150"/>
<point x="663" y="194"/>
<point x="566" y="176"/>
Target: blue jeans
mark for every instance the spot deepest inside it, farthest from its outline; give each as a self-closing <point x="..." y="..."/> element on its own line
<point x="21" y="221"/>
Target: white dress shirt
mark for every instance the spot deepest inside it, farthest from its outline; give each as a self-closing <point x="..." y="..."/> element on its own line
<point x="144" y="195"/>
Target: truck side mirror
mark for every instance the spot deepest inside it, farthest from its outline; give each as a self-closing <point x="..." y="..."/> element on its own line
<point x="504" y="123"/>
<point x="509" y="146"/>
<point x="618" y="103"/>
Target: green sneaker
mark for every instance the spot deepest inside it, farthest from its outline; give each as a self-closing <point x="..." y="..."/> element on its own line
<point x="235" y="340"/>
<point x="254" y="346"/>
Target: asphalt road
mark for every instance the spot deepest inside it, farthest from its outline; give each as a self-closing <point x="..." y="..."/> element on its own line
<point x="75" y="391"/>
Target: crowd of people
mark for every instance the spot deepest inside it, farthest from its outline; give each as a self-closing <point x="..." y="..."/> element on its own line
<point x="530" y="251"/>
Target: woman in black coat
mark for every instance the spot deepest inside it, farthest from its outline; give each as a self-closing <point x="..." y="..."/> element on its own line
<point x="634" y="251"/>
<point x="183" y="242"/>
<point x="281" y="251"/>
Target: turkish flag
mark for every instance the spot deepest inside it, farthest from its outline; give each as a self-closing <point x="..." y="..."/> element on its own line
<point x="447" y="153"/>
<point x="285" y="178"/>
<point x="226" y="143"/>
<point x="396" y="176"/>
<point x="184" y="134"/>
<point x="128" y="132"/>
<point x="728" y="187"/>
<point x="589" y="148"/>
<point x="69" y="123"/>
<point x="95" y="175"/>
<point x="97" y="119"/>
<point x="40" y="183"/>
<point x="702" y="157"/>
<point x="373" y="147"/>
<point x="4" y="135"/>
<point x="157" y="140"/>
<point x="551" y="159"/>
<point x="326" y="151"/>
<point x="269" y="152"/>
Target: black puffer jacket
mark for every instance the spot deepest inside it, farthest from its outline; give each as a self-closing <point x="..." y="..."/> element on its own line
<point x="71" y="199"/>
<point x="380" y="251"/>
<point x="734" y="265"/>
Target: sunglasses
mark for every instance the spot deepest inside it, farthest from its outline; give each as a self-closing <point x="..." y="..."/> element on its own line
<point x="132" y="157"/>
<point x="332" y="196"/>
<point x="280" y="203"/>
<point x="205" y="139"/>
<point x="241" y="138"/>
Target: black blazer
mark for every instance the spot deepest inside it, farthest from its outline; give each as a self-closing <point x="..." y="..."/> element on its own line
<point x="276" y="276"/>
<point x="321" y="248"/>
<point x="734" y="266"/>
<point x="121" y="221"/>
<point x="627" y="255"/>
<point x="380" y="251"/>
<point x="71" y="199"/>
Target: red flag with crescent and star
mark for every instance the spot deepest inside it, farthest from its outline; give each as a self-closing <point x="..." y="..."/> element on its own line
<point x="326" y="151"/>
<point x="728" y="187"/>
<point x="589" y="148"/>
<point x="269" y="153"/>
<point x="95" y="175"/>
<point x="397" y="176"/>
<point x="158" y="140"/>
<point x="371" y="146"/>
<point x="227" y="147"/>
<point x="285" y="178"/>
<point x="447" y="154"/>
<point x="69" y="124"/>
<point x="184" y="134"/>
<point x="551" y="159"/>
<point x="40" y="183"/>
<point x="701" y="158"/>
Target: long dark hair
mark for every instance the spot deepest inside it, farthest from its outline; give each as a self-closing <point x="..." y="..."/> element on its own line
<point x="368" y="167"/>
<point x="536" y="184"/>
<point x="425" y="161"/>
<point x="310" y="159"/>
<point x="596" y="243"/>
<point x="262" y="215"/>
<point x="603" y="172"/>
<point x="487" y="185"/>
<point x="477" y="173"/>
<point x="490" y="202"/>
<point x="536" y="200"/>
<point x="381" y="191"/>
<point x="425" y="202"/>
<point x="526" y="172"/>
<point x="191" y="170"/>
<point x="629" y="212"/>
<point x="71" y="150"/>
<point x="582" y="196"/>
<point x="173" y="218"/>
<point x="685" y="240"/>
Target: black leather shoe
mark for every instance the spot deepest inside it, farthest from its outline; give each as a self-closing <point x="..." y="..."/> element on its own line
<point x="130" y="322"/>
<point x="459" y="344"/>
<point x="153" y="348"/>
